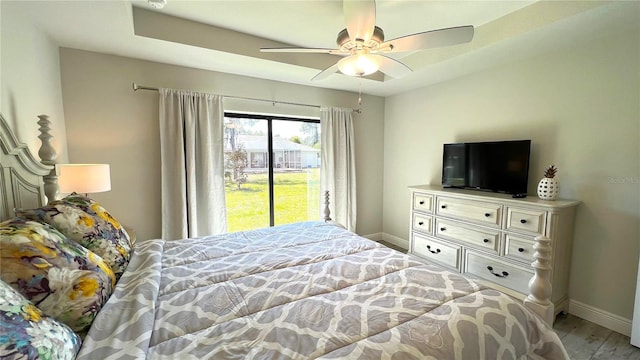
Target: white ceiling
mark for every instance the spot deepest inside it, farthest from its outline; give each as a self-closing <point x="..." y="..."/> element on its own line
<point x="225" y="35"/>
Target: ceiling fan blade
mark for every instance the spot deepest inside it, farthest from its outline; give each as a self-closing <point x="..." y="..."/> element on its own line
<point x="296" y="50"/>
<point x="360" y="18"/>
<point x="326" y="72"/>
<point x="431" y="39"/>
<point x="392" y="67"/>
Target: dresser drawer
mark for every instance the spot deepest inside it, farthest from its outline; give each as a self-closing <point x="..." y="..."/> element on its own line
<point x="526" y="220"/>
<point x="422" y="223"/>
<point x="488" y="239"/>
<point x="519" y="247"/>
<point x="423" y="202"/>
<point x="445" y="254"/>
<point x="499" y="272"/>
<point x="485" y="213"/>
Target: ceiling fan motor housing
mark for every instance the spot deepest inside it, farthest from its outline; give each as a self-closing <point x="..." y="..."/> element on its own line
<point x="157" y="4"/>
<point x="347" y="44"/>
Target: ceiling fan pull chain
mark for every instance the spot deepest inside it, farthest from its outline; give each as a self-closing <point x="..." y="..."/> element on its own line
<point x="360" y="93"/>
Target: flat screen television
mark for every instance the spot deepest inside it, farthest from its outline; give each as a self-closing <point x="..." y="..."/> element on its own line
<point x="498" y="166"/>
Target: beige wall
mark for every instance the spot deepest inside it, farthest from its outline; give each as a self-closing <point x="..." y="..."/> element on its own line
<point x="579" y="106"/>
<point x="109" y="123"/>
<point x="29" y="78"/>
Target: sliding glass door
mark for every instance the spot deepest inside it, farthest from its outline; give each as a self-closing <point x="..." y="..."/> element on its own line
<point x="296" y="171"/>
<point x="272" y="170"/>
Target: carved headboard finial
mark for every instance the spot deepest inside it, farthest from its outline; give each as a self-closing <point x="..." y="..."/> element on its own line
<point x="48" y="156"/>
<point x="21" y="180"/>
<point x="327" y="212"/>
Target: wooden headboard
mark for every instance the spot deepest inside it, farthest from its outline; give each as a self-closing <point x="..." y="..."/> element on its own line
<point x="22" y="177"/>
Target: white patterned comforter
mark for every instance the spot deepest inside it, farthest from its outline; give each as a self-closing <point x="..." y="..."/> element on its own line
<point x="305" y="291"/>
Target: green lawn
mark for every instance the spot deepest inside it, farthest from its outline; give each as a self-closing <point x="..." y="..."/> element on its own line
<point x="296" y="198"/>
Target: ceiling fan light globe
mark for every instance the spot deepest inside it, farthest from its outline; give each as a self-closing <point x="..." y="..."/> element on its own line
<point x="358" y="65"/>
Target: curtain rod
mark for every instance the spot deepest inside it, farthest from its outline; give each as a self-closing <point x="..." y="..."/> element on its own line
<point x="137" y="87"/>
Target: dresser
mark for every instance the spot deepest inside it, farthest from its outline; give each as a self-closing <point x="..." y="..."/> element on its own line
<point x="490" y="236"/>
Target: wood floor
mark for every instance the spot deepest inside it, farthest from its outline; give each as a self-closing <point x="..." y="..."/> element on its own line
<point x="585" y="340"/>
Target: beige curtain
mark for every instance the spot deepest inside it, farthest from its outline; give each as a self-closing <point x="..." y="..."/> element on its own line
<point x="192" y="158"/>
<point x="338" y="168"/>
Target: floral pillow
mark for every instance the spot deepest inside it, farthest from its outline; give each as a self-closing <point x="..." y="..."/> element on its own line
<point x="62" y="278"/>
<point x="87" y="222"/>
<point x="29" y="334"/>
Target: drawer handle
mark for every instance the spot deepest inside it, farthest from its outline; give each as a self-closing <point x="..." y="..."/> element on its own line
<point x="421" y="223"/>
<point x="421" y="202"/>
<point x="443" y="229"/>
<point x="520" y="249"/>
<point x="487" y="214"/>
<point x="433" y="252"/>
<point x="485" y="240"/>
<point x="443" y="206"/>
<point x="503" y="275"/>
<point x="523" y="221"/>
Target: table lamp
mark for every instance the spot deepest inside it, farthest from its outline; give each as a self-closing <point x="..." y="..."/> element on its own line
<point x="84" y="178"/>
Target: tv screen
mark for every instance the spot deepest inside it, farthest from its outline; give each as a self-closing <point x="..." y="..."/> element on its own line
<point x="499" y="166"/>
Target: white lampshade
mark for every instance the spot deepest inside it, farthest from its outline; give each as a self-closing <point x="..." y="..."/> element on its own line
<point x="358" y="65"/>
<point x="84" y="178"/>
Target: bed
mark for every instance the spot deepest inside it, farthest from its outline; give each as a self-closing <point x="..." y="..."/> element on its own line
<point x="309" y="290"/>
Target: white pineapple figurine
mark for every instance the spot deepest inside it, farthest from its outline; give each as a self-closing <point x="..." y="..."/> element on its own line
<point x="549" y="186"/>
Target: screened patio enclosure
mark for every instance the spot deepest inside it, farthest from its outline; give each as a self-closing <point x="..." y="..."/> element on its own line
<point x="286" y="154"/>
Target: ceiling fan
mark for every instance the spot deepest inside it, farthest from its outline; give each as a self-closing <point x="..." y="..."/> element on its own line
<point x="363" y="47"/>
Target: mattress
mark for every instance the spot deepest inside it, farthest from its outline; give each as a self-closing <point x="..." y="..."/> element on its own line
<point x="308" y="290"/>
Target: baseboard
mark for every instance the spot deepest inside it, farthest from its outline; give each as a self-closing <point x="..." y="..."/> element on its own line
<point x="374" y="237"/>
<point x="397" y="241"/>
<point x="600" y="317"/>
